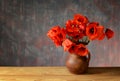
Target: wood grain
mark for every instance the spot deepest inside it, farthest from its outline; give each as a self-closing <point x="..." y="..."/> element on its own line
<point x="57" y="74"/>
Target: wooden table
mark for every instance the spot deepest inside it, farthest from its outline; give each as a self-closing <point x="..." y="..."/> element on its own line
<point x="57" y="74"/>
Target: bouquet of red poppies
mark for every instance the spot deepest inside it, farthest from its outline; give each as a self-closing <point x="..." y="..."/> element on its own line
<point x="77" y="33"/>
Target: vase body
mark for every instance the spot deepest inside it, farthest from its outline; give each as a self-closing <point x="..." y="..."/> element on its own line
<point x="77" y="64"/>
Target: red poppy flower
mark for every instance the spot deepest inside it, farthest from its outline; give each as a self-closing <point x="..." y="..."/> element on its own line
<point x="57" y="35"/>
<point x="72" y="28"/>
<point x="75" y="29"/>
<point x="94" y="31"/>
<point x="81" y="18"/>
<point x="109" y="33"/>
<point x="81" y="50"/>
<point x="78" y="49"/>
<point x="67" y="44"/>
<point x="72" y="49"/>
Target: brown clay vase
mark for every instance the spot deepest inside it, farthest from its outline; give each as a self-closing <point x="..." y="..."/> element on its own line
<point x="77" y="64"/>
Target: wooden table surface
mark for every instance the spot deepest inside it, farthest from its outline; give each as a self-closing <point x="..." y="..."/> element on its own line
<point x="57" y="74"/>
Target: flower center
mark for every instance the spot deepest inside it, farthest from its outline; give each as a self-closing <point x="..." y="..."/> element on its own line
<point x="60" y="35"/>
<point x="92" y="30"/>
<point x="80" y="20"/>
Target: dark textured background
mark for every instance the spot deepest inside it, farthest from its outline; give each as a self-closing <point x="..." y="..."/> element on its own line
<point x="24" y="24"/>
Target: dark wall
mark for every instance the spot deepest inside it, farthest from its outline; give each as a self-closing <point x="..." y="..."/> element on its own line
<point x="24" y="24"/>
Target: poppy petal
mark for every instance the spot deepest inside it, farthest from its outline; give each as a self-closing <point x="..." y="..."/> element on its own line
<point x="109" y="33"/>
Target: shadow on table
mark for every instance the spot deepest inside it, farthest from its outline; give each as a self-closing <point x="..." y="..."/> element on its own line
<point x="104" y="71"/>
